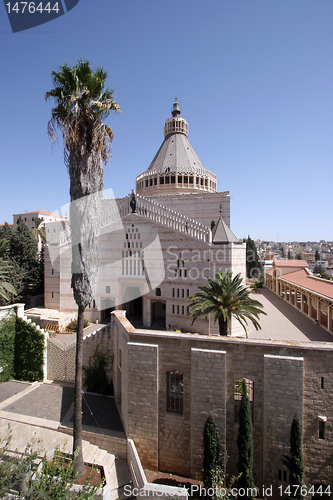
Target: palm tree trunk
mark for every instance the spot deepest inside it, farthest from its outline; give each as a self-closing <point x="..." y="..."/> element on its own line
<point x="223" y="327"/>
<point x="77" y="428"/>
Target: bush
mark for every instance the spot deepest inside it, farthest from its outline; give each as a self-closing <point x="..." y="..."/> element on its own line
<point x="211" y="455"/>
<point x="29" y="352"/>
<point x="52" y="481"/>
<point x="73" y="324"/>
<point x="95" y="376"/>
<point x="7" y="347"/>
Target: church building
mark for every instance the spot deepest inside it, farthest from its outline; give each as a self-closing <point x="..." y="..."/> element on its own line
<point x="158" y="244"/>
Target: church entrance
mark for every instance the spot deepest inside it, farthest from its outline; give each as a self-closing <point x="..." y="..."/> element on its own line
<point x="107" y="308"/>
<point x="133" y="305"/>
<point x="158" y="315"/>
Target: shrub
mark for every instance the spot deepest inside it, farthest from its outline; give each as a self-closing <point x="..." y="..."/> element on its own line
<point x="73" y="324"/>
<point x="211" y="457"/>
<point x="7" y="347"/>
<point x="29" y="351"/>
<point x="95" y="375"/>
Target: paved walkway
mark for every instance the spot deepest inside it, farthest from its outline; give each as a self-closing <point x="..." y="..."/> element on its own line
<point x="38" y="410"/>
<point x="285" y="322"/>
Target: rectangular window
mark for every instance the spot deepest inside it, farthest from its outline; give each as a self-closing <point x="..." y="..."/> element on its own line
<point x="158" y="292"/>
<point x="183" y="310"/>
<point x="173" y="309"/>
<point x="321" y="382"/>
<point x="188" y="293"/>
<point x="52" y="271"/>
<point x="94" y="304"/>
<point x="177" y="309"/>
<point x="107" y="289"/>
<point x="173" y="292"/>
<point x="161" y="180"/>
<point x="175" y="392"/>
<point x="321" y="429"/>
<point x="177" y="292"/>
<point x="52" y="295"/>
<point x="183" y="293"/>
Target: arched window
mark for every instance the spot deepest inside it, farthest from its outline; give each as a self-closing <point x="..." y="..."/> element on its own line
<point x="175" y="392"/>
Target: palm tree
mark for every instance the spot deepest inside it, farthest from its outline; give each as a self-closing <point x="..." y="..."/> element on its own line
<point x="7" y="290"/>
<point x="82" y="103"/>
<point x="225" y="297"/>
<point x="38" y="230"/>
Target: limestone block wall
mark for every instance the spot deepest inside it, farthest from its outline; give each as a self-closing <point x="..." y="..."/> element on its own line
<point x="283" y="398"/>
<point x="208" y="397"/>
<point x="142" y="394"/>
<point x="202" y="207"/>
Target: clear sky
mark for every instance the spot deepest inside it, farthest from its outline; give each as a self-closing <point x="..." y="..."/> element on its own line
<point x="254" y="79"/>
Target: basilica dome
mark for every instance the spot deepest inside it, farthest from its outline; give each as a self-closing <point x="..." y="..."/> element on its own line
<point x="176" y="168"/>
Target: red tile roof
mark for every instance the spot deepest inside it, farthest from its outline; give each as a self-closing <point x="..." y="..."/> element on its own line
<point x="291" y="263"/>
<point x="312" y="283"/>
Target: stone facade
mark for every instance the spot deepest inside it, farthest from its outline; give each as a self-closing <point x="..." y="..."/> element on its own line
<point x="287" y="378"/>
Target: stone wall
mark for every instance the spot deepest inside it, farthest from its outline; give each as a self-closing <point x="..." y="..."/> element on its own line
<point x="287" y="378"/>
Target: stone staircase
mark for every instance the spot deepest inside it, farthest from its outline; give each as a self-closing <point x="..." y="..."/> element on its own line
<point x="45" y="438"/>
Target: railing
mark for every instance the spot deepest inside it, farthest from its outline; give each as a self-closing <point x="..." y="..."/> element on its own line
<point x="155" y="212"/>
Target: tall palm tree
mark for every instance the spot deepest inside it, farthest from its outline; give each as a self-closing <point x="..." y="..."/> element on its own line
<point x="82" y="103"/>
<point x="225" y="297"/>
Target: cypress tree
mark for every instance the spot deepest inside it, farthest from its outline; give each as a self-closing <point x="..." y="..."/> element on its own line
<point x="211" y="457"/>
<point x="294" y="462"/>
<point x="245" y="446"/>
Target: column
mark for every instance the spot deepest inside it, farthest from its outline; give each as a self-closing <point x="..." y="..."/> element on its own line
<point x="310" y="307"/>
<point x="329" y="318"/>
<point x="318" y="311"/>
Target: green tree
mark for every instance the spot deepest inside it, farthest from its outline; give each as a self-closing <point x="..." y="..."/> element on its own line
<point x="29" y="351"/>
<point x="245" y="446"/>
<point x="211" y="454"/>
<point x="253" y="267"/>
<point x="294" y="462"/>
<point x="317" y="255"/>
<point x="282" y="252"/>
<point x="226" y="297"/>
<point x="81" y="104"/>
<point x="289" y="255"/>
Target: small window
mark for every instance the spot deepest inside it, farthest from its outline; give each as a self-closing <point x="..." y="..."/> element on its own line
<point x="173" y="309"/>
<point x="173" y="292"/>
<point x="183" y="293"/>
<point x="188" y="293"/>
<point x="52" y="271"/>
<point x="158" y="292"/>
<point x="321" y="429"/>
<point x="183" y="310"/>
<point x="322" y="382"/>
<point x="94" y="304"/>
<point x="107" y="289"/>
<point x="175" y="392"/>
<point x="173" y="179"/>
<point x="161" y="180"/>
<point x="177" y="292"/>
<point x="52" y="295"/>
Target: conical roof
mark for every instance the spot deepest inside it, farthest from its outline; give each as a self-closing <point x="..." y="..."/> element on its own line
<point x="222" y="233"/>
<point x="176" y="151"/>
<point x="176" y="168"/>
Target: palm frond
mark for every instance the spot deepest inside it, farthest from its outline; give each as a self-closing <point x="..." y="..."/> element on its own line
<point x="226" y="297"/>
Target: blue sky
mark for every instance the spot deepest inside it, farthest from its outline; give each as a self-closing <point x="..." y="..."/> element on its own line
<point x="254" y="79"/>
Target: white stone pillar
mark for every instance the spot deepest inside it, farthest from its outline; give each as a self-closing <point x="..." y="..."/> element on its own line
<point x="329" y="318"/>
<point x="310" y="307"/>
<point x="318" y="311"/>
